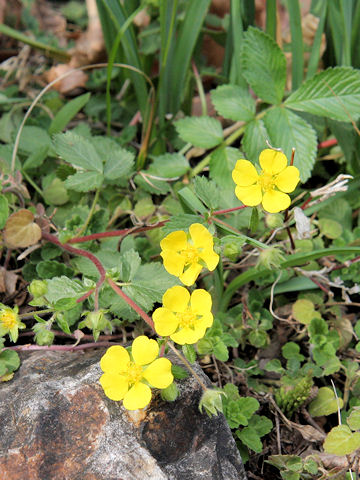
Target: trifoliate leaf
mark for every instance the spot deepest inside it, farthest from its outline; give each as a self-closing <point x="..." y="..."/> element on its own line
<point x="207" y="191"/>
<point x="119" y="164"/>
<point x="233" y="102"/>
<point x="20" y="230"/>
<point x="204" y="132"/>
<point x="333" y="93"/>
<point x="341" y="441"/>
<point x="263" y="65"/>
<point x="325" y="403"/>
<point x="63" y="287"/>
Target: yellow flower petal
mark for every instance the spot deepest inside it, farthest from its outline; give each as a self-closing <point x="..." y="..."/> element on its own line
<point x="137" y="397"/>
<point x="115" y="386"/>
<point x="144" y="350"/>
<point x="287" y="180"/>
<point x="165" y="322"/>
<point x="201" y="302"/>
<point x="115" y="360"/>
<point x="274" y="201"/>
<point x="200" y="236"/>
<point x="210" y="258"/>
<point x="175" y="241"/>
<point x="272" y="162"/>
<point x="158" y="374"/>
<point x="250" y="196"/>
<point x="173" y="262"/>
<point x="190" y="275"/>
<point x="176" y="298"/>
<point x="205" y="321"/>
<point x="244" y="173"/>
<point x="187" y="335"/>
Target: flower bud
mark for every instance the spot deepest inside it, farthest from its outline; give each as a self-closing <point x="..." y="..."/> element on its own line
<point x="96" y="321"/>
<point x="211" y="402"/>
<point x="43" y="336"/>
<point x="274" y="220"/>
<point x="170" y="393"/>
<point x="270" y="258"/>
<point x="37" y="288"/>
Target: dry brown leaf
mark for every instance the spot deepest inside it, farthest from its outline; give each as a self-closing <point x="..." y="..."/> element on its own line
<point x="309" y="433"/>
<point x="8" y="281"/>
<point x="20" y="230"/>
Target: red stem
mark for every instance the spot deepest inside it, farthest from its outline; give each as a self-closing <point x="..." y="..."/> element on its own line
<point x="132" y="304"/>
<point x="115" y="233"/>
<point x="83" y="253"/>
<point x="228" y="210"/>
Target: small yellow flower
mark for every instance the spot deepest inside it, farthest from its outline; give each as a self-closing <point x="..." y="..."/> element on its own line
<point x="183" y="317"/>
<point x="185" y="255"/>
<point x="271" y="186"/>
<point x="126" y="377"/>
<point x="10" y="322"/>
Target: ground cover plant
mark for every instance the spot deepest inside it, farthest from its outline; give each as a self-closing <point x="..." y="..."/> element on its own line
<point x="230" y="236"/>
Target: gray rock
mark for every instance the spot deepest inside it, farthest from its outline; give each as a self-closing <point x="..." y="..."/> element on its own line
<point x="57" y="424"/>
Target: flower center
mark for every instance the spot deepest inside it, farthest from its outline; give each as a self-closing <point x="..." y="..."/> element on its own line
<point x="8" y="319"/>
<point x="191" y="254"/>
<point x="134" y="373"/>
<point x="266" y="181"/>
<point x="186" y="319"/>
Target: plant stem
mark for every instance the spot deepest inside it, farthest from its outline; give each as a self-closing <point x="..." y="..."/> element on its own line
<point x="91" y="213"/>
<point x="228" y="210"/>
<point x="35" y="312"/>
<point x="188" y="366"/>
<point x="132" y="304"/>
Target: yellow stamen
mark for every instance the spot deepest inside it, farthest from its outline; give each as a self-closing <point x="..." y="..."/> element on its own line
<point x="266" y="181"/>
<point x="191" y="255"/>
<point x="8" y="319"/>
<point x="134" y="373"/>
<point x="186" y="319"/>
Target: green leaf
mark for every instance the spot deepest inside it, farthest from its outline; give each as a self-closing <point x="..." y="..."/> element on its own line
<point x="67" y="113"/>
<point x="180" y="222"/>
<point x="254" y="140"/>
<point x="52" y="268"/>
<point x="204" y="132"/>
<point x="63" y="287"/>
<point x="250" y="439"/>
<point x="189" y="353"/>
<point x="263" y="65"/>
<point x="341" y="441"/>
<point x="221" y="351"/>
<point x="118" y="164"/>
<point x="84" y="181"/>
<point x="234" y="102"/>
<point x="254" y="220"/>
<point x="36" y="158"/>
<point x="4" y="210"/>
<point x="56" y="193"/>
<point x="78" y="151"/>
<point x="169" y="165"/>
<point x="191" y="200"/>
<point x="303" y="311"/>
<point x="330" y="228"/>
<point x="130" y="263"/>
<point x="353" y="419"/>
<point x="179" y="372"/>
<point x="325" y="403"/>
<point x="32" y="137"/>
<point x="207" y="191"/>
<point x="333" y="93"/>
<point x="222" y="163"/>
<point x="10" y="359"/>
<point x="287" y="131"/>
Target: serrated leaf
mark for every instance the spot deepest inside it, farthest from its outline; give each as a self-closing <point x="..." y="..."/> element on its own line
<point x="341" y="441"/>
<point x="78" y="151"/>
<point x="325" y="403"/>
<point x="189" y="353"/>
<point x="203" y="132"/>
<point x="207" y="191"/>
<point x="10" y="360"/>
<point x="250" y="439"/>
<point x="109" y="259"/>
<point x="254" y="140"/>
<point x="52" y="268"/>
<point x="63" y="287"/>
<point x="221" y="351"/>
<point x="119" y="164"/>
<point x="20" y="230"/>
<point x="333" y="93"/>
<point x="67" y="113"/>
<point x="130" y="263"/>
<point x="287" y="130"/>
<point x="234" y="102"/>
<point x="263" y="65"/>
<point x="36" y="158"/>
<point x="84" y="181"/>
<point x="169" y="165"/>
<point x="4" y="210"/>
<point x="353" y="419"/>
<point x="180" y="222"/>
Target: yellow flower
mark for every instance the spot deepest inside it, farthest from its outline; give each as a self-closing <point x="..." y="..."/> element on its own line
<point x="271" y="186"/>
<point x="185" y="255"/>
<point x="183" y="317"/>
<point x="10" y="322"/>
<point x="126" y="377"/>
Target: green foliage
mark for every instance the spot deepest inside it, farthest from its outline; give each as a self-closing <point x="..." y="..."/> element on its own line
<point x="325" y="403"/>
<point x="204" y="132"/>
<point x="290" y="399"/>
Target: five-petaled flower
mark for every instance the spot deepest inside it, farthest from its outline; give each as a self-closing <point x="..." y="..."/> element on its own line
<point x="185" y="255"/>
<point x="184" y="317"/>
<point x="126" y="376"/>
<point x="271" y="186"/>
<point x="10" y="322"/>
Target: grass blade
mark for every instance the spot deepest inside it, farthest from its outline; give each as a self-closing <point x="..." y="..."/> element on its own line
<point x="237" y="34"/>
<point x="297" y="46"/>
<point x="271" y="19"/>
<point x="319" y="11"/>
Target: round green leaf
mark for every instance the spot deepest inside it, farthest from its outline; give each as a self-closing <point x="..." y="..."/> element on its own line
<point x="341" y="441"/>
<point x="303" y="311"/>
<point x="325" y="403"/>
